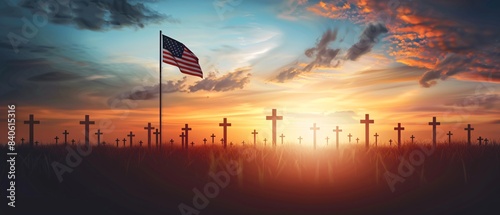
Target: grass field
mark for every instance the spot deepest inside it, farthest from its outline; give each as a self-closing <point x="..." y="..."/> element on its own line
<point x="282" y="180"/>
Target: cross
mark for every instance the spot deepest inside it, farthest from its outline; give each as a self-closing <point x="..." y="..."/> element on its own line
<point x="282" y="136"/>
<point x="231" y="144"/>
<point x="186" y="130"/>
<point x="73" y="142"/>
<point x="337" y="130"/>
<point x="22" y="141"/>
<point x="156" y="134"/>
<point x="349" y="137"/>
<point x="140" y="143"/>
<point x="36" y="143"/>
<point x="274" y="117"/>
<point x="399" y="129"/>
<point x="300" y="140"/>
<point x="327" y="138"/>
<point x="130" y="135"/>
<point x="212" y="136"/>
<point x="254" y="137"/>
<point x="367" y="121"/>
<point x="192" y="143"/>
<point x="390" y="142"/>
<point x="243" y="142"/>
<point x="57" y="138"/>
<point x="204" y="141"/>
<point x="65" y="137"/>
<point x="434" y="123"/>
<point x="182" y="137"/>
<point x="480" y="140"/>
<point x="117" y="140"/>
<point x="87" y="122"/>
<point x="449" y="136"/>
<point x="98" y="133"/>
<point x="224" y="125"/>
<point x="468" y="129"/>
<point x="314" y="128"/>
<point x="486" y="141"/>
<point x="32" y="122"/>
<point x="124" y="140"/>
<point x="412" y="137"/>
<point x="171" y="142"/>
<point x="357" y="140"/>
<point x="265" y="141"/>
<point x="222" y="141"/>
<point x="376" y="138"/>
<point x="149" y="128"/>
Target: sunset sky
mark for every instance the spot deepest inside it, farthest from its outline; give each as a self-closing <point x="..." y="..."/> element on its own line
<point x="323" y="62"/>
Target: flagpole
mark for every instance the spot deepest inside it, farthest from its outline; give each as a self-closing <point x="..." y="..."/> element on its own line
<point x="160" y="95"/>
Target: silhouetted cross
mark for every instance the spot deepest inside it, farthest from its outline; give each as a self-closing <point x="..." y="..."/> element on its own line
<point x="156" y="136"/>
<point x="186" y="130"/>
<point x="337" y="130"/>
<point x="274" y="117"/>
<point x="98" y="133"/>
<point x="434" y="124"/>
<point x="149" y="128"/>
<point x="87" y="124"/>
<point x="212" y="136"/>
<point x="399" y="129"/>
<point x="468" y="129"/>
<point x="254" y="137"/>
<point x="314" y="128"/>
<point x="65" y="137"/>
<point x="31" y="123"/>
<point x="130" y="135"/>
<point x="367" y="121"/>
<point x="224" y="125"/>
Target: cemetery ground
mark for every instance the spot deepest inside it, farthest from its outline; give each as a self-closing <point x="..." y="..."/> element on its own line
<point x="286" y="179"/>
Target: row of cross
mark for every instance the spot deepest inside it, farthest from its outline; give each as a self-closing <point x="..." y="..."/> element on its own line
<point x="274" y="117"/>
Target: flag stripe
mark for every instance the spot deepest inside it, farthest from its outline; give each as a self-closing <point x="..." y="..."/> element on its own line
<point x="166" y="53"/>
<point x="182" y="60"/>
<point x="186" y="66"/>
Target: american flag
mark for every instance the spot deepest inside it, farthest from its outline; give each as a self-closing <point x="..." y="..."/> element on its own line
<point x="177" y="54"/>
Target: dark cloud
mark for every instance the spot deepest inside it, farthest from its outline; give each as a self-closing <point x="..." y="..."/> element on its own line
<point x="98" y="15"/>
<point x="496" y="121"/>
<point x="450" y="65"/>
<point x="288" y="74"/>
<point x="486" y="101"/>
<point x="151" y="92"/>
<point x="323" y="57"/>
<point x="54" y="76"/>
<point x="230" y="81"/>
<point x="366" y="41"/>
